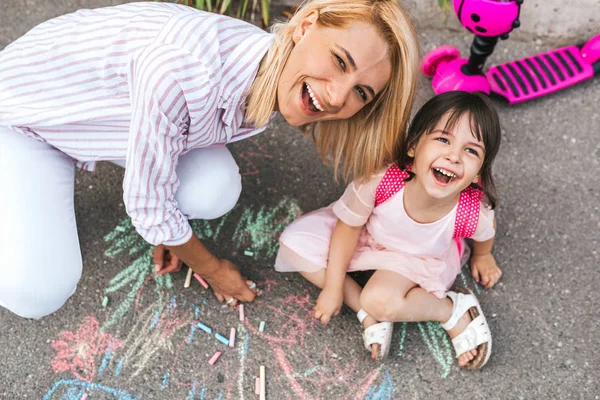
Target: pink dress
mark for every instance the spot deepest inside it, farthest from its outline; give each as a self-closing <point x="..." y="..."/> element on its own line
<point x="430" y="254"/>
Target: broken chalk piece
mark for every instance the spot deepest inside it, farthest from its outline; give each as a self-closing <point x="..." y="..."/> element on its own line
<point x="188" y="278"/>
<point x="242" y="316"/>
<point x="232" y="338"/>
<point x="214" y="358"/>
<point x="263" y="383"/>
<point x="202" y="281"/>
<point x="248" y="253"/>
<point x="257" y="386"/>
<point x="222" y="339"/>
<point x="104" y="301"/>
<point x="84" y="397"/>
<point x="252" y="286"/>
<point x="204" y="328"/>
<point x="261" y="327"/>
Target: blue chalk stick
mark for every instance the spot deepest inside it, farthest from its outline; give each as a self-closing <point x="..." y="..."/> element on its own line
<point x="204" y="327"/>
<point x="222" y="339"/>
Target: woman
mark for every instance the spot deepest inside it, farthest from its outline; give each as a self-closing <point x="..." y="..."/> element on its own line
<point x="161" y="89"/>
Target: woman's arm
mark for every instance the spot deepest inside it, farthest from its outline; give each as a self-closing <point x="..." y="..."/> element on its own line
<point x="157" y="138"/>
<point x="341" y="248"/>
<point x="224" y="277"/>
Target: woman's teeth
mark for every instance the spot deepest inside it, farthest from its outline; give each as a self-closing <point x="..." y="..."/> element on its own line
<point x="312" y="97"/>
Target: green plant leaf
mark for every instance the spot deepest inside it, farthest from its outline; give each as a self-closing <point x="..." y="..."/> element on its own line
<point x="444" y="4"/>
<point x="243" y="8"/>
<point x="265" y="6"/>
<point x="224" y="6"/>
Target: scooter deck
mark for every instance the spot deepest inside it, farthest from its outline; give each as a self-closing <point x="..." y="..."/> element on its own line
<point x="539" y="75"/>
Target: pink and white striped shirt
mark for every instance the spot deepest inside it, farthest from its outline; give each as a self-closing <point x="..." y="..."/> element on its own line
<point x="145" y="82"/>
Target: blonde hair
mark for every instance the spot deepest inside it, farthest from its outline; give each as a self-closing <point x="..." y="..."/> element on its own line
<point x="371" y="138"/>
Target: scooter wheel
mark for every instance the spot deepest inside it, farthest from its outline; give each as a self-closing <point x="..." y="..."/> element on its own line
<point x="437" y="56"/>
<point x="590" y="51"/>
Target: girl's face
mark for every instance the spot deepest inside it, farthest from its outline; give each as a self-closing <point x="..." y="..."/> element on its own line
<point x="447" y="162"/>
<point x="331" y="73"/>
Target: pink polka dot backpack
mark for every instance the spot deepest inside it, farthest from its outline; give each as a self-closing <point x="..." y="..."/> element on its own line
<point x="469" y="203"/>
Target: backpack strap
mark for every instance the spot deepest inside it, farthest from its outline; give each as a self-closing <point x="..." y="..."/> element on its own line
<point x="467" y="214"/>
<point x="469" y="202"/>
<point x="391" y="183"/>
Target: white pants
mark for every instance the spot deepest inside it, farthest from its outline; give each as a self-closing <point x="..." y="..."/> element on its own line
<point x="40" y="256"/>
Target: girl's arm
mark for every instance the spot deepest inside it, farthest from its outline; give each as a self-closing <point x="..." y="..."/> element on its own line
<point x="353" y="210"/>
<point x="341" y="248"/>
<point x="483" y="265"/>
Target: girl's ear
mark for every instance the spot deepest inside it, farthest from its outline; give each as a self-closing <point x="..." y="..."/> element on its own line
<point x="476" y="179"/>
<point x="308" y="21"/>
<point x="411" y="152"/>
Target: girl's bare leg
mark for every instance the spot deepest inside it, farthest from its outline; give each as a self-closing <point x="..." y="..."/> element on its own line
<point x="389" y="296"/>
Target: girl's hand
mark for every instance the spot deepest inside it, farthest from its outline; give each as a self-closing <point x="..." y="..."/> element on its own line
<point x="165" y="261"/>
<point x="484" y="270"/>
<point x="329" y="304"/>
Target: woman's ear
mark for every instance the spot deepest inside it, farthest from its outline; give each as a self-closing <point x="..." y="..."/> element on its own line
<point x="309" y="21"/>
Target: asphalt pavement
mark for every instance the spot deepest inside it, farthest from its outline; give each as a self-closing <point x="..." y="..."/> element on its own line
<point x="146" y="344"/>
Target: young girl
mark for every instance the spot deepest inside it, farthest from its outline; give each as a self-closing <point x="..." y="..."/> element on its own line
<point x="407" y="222"/>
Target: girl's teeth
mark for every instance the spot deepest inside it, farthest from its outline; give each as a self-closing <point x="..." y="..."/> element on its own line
<point x="441" y="171"/>
<point x="312" y="97"/>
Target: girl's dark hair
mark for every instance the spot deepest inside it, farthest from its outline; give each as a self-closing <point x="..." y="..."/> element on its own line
<point x="484" y="122"/>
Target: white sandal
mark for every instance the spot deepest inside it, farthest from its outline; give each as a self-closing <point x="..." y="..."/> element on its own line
<point x="380" y="333"/>
<point x="476" y="335"/>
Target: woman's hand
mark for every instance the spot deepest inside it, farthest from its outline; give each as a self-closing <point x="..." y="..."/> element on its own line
<point x="228" y="283"/>
<point x="484" y="270"/>
<point x="329" y="304"/>
<point x="165" y="261"/>
<point x="224" y="277"/>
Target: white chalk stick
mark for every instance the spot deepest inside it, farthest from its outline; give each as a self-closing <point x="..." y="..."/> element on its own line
<point x="263" y="383"/>
<point x="188" y="278"/>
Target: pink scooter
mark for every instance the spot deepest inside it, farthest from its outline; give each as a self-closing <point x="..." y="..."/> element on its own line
<point x="517" y="81"/>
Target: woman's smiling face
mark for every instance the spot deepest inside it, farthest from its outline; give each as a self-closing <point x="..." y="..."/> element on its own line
<point x="332" y="73"/>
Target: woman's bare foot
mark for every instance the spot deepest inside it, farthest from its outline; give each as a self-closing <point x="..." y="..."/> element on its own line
<point x="466" y="357"/>
<point x="374" y="347"/>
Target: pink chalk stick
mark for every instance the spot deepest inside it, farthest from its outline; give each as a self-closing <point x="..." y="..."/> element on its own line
<point x="214" y="358"/>
<point x="84" y="397"/>
<point x="257" y="386"/>
<point x="202" y="281"/>
<point x="232" y="338"/>
<point x="241" y="308"/>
